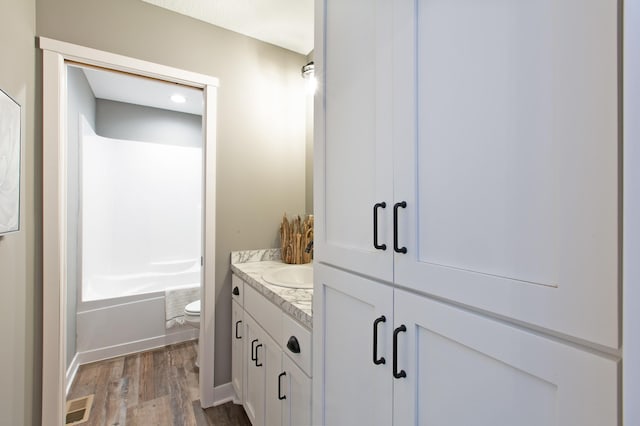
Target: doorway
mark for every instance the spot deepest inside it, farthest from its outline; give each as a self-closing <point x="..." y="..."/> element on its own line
<point x="56" y="58"/>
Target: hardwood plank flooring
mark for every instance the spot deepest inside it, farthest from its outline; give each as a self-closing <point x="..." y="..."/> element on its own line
<point x="154" y="388"/>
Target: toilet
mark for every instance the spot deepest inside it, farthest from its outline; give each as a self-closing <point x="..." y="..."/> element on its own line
<point x="192" y="314"/>
<point x="192" y="317"/>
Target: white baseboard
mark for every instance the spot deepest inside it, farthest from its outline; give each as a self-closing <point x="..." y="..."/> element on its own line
<point x="223" y="394"/>
<point x="71" y="372"/>
<point x="133" y="347"/>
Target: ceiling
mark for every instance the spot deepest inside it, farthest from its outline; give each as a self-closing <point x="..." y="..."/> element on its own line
<point x="116" y="86"/>
<point x="285" y="23"/>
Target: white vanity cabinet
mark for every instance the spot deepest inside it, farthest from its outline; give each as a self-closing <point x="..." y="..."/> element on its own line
<point x="467" y="163"/>
<point x="276" y="364"/>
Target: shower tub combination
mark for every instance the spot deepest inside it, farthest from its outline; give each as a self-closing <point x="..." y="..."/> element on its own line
<point x="141" y="235"/>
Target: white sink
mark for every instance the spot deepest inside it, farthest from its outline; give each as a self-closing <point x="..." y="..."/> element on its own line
<point x="292" y="276"/>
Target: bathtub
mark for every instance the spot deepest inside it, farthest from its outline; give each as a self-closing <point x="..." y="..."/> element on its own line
<point x="122" y="314"/>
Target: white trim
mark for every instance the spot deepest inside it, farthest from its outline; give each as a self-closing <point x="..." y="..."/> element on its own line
<point x="207" y="316"/>
<point x="631" y="215"/>
<point x="89" y="56"/>
<point x="224" y="393"/>
<point x="54" y="211"/>
<point x="71" y="372"/>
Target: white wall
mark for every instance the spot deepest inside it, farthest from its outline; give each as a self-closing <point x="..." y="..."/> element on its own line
<point x="141" y="205"/>
<point x="80" y="101"/>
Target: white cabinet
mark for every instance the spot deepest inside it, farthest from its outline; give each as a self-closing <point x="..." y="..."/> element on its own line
<point x="432" y="363"/>
<point x="277" y="381"/>
<point x="237" y="350"/>
<point x="490" y="133"/>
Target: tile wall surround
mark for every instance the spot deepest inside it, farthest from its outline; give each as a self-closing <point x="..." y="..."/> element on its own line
<point x="249" y="265"/>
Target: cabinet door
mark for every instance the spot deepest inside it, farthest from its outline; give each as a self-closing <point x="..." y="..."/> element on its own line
<point x="296" y="389"/>
<point x="270" y="356"/>
<point x="353" y="171"/>
<point x="348" y="388"/>
<point x="506" y="153"/>
<point x="466" y="369"/>
<point x="237" y="349"/>
<point x="254" y="382"/>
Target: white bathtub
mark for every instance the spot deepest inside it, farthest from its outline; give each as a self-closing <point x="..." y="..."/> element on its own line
<point x="126" y="313"/>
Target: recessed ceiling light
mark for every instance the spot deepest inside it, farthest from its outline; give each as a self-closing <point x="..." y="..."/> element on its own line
<point x="179" y="99"/>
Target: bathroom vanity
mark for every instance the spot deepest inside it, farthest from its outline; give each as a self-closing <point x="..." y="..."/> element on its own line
<point x="271" y="342"/>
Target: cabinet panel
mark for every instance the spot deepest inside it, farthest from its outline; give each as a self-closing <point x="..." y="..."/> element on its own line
<point x="463" y="368"/>
<point x="508" y="158"/>
<point x="254" y="381"/>
<point x="297" y="405"/>
<point x="348" y="387"/>
<point x="354" y="134"/>
<point x="237" y="349"/>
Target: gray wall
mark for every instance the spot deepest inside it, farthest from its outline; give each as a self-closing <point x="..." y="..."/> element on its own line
<point x="20" y="253"/>
<point x="260" y="133"/>
<point x="309" y="150"/>
<point x="80" y="101"/>
<point x="134" y="122"/>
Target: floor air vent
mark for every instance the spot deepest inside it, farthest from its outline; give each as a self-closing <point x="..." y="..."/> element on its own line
<point x="78" y="410"/>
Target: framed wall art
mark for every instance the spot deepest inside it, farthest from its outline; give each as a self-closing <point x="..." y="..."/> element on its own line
<point x="9" y="164"/>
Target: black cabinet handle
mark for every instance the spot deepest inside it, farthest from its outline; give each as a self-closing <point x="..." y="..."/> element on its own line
<point x="375" y="226"/>
<point x="396" y="374"/>
<point x="376" y="360"/>
<point x="237" y="323"/>
<point x="253" y="357"/>
<point x="236" y="291"/>
<point x="280" y="396"/>
<point x="293" y="345"/>
<point x="397" y="249"/>
<point x="258" y="346"/>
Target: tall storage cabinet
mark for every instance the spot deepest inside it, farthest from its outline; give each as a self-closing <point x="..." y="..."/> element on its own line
<point x="467" y="189"/>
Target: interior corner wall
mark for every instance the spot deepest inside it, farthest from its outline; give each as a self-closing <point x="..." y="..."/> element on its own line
<point x="20" y="270"/>
<point x="260" y="119"/>
<point x="80" y="101"/>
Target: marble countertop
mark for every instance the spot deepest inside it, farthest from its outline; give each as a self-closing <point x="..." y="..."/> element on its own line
<point x="250" y="265"/>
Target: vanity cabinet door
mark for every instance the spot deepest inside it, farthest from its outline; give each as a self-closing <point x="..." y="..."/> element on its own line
<point x="255" y="377"/>
<point x="352" y="123"/>
<point x="353" y="323"/>
<point x="295" y="387"/>
<point x="461" y="368"/>
<point x="237" y="349"/>
<point x="506" y="152"/>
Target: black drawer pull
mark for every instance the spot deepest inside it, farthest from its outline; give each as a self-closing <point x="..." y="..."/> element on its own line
<point x="280" y="396"/>
<point x="237" y="323"/>
<point x="253" y="357"/>
<point x="236" y="291"/>
<point x="376" y="360"/>
<point x="293" y="345"/>
<point x="375" y="226"/>
<point x="396" y="374"/>
<point x="397" y="249"/>
<point x="258" y="346"/>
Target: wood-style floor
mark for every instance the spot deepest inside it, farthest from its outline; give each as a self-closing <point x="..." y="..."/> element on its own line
<point x="158" y="387"/>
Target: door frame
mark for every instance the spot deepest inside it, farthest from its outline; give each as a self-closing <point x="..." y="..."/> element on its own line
<point x="54" y="98"/>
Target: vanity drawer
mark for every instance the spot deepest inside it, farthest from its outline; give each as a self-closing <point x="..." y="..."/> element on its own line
<point x="266" y="314"/>
<point x="293" y="331"/>
<point x="237" y="283"/>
